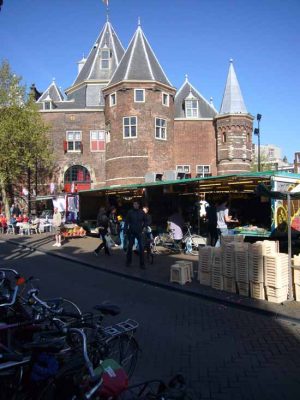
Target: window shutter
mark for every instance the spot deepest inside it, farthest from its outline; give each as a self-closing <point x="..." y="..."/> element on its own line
<point x="81" y="147"/>
<point x="65" y="145"/>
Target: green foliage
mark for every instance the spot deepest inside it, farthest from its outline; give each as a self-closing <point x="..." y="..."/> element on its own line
<point x="23" y="139"/>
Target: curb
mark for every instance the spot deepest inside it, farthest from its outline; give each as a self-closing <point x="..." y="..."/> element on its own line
<point x="192" y="293"/>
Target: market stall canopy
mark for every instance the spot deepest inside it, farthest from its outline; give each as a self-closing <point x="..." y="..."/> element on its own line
<point x="262" y="190"/>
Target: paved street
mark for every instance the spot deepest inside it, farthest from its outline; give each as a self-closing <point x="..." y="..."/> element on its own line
<point x="224" y="352"/>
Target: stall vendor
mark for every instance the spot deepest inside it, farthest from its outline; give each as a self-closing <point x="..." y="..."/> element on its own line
<point x="223" y="218"/>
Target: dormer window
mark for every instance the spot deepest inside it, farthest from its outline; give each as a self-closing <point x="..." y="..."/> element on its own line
<point x="191" y="108"/>
<point x="105" y="58"/>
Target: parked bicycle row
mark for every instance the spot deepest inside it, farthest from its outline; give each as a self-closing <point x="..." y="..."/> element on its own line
<point x="50" y="349"/>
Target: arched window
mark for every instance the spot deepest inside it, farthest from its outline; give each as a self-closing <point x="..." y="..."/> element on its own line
<point x="78" y="174"/>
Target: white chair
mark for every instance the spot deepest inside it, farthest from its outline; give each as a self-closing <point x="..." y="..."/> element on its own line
<point x="35" y="228"/>
<point x="25" y="229"/>
<point x="10" y="229"/>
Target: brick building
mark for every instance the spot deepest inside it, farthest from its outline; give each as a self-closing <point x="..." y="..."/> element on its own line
<point x="122" y="121"/>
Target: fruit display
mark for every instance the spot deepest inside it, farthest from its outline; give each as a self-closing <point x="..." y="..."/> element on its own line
<point x="73" y="230"/>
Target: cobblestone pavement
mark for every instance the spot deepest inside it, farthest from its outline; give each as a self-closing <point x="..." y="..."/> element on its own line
<point x="224" y="352"/>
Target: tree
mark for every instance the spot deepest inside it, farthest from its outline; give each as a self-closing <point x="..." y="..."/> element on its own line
<point x="23" y="135"/>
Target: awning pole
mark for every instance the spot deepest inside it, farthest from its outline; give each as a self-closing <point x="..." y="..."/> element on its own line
<point x="291" y="292"/>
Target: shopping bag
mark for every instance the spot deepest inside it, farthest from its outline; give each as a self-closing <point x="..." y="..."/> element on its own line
<point x="109" y="242"/>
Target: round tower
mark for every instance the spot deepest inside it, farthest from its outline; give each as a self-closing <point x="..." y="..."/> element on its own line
<point x="234" y="127"/>
<point x="139" y="112"/>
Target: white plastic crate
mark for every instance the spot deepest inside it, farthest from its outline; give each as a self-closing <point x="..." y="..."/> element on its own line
<point x="256" y="268"/>
<point x="217" y="261"/>
<point x="276" y="270"/>
<point x="204" y="278"/>
<point x="217" y="281"/>
<point x="296" y="276"/>
<point x="296" y="260"/>
<point x="257" y="290"/>
<point x="241" y="267"/>
<point x="297" y="292"/>
<point x="205" y="258"/>
<point x="243" y="288"/>
<point x="277" y="295"/>
<point x="229" y="284"/>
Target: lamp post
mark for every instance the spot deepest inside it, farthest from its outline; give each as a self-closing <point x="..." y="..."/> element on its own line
<point x="257" y="132"/>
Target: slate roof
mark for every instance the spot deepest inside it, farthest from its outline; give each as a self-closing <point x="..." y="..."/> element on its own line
<point x="139" y="63"/>
<point x="205" y="109"/>
<point x="91" y="69"/>
<point x="52" y="93"/>
<point x="233" y="102"/>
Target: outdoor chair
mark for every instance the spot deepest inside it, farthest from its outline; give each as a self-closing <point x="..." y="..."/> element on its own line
<point x="10" y="229"/>
<point x="25" y="229"/>
<point x="35" y="228"/>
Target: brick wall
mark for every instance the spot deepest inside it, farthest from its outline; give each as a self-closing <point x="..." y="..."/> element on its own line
<point x="83" y="121"/>
<point x="128" y="160"/>
<point x="195" y="144"/>
<point x="234" y="143"/>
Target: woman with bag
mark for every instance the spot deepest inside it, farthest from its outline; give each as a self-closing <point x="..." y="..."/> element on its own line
<point x="102" y="224"/>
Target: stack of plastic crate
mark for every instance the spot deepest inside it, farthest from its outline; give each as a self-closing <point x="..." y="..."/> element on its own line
<point x="256" y="270"/>
<point x="204" y="265"/>
<point x="216" y="269"/>
<point x="228" y="256"/>
<point x="276" y="267"/>
<point x="242" y="268"/>
<point x="297" y="277"/>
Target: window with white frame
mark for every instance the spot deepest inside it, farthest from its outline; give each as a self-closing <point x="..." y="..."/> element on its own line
<point x="203" y="171"/>
<point x="160" y="128"/>
<point x="73" y="141"/>
<point x="129" y="127"/>
<point x="191" y="108"/>
<point x="97" y="140"/>
<point x="183" y="168"/>
<point x="165" y="99"/>
<point x="105" y="59"/>
<point x="139" y="95"/>
<point x="113" y="99"/>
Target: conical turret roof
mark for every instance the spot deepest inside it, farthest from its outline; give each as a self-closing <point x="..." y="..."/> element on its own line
<point x="233" y="102"/>
<point x="139" y="63"/>
<point x="91" y="70"/>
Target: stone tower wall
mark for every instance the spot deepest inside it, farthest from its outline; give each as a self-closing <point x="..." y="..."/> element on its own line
<point x="129" y="159"/>
<point x="234" y="143"/>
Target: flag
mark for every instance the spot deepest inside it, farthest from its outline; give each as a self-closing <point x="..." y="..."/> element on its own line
<point x="106" y="2"/>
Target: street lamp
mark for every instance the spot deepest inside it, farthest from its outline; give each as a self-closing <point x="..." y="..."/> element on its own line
<point x="257" y="132"/>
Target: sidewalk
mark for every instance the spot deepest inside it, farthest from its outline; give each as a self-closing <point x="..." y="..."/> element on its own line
<point x="80" y="250"/>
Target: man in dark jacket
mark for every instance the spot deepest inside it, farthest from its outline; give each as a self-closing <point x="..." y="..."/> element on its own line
<point x="134" y="224"/>
<point x="102" y="223"/>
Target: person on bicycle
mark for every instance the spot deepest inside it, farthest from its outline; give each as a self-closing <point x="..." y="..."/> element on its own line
<point x="175" y="225"/>
<point x="134" y="224"/>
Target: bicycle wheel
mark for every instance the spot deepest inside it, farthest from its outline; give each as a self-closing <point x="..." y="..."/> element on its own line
<point x="157" y="242"/>
<point x="124" y="349"/>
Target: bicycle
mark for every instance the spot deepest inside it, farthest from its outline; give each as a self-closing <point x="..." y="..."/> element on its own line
<point x="192" y="241"/>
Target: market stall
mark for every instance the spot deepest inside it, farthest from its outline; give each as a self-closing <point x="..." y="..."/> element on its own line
<point x="72" y="231"/>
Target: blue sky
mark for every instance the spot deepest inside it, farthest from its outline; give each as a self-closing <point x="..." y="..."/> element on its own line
<point x="43" y="39"/>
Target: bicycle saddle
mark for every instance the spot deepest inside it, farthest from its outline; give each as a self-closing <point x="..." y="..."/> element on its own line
<point x="108" y="309"/>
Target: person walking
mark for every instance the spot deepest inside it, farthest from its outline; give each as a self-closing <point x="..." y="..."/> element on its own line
<point x="102" y="223"/>
<point x="57" y="222"/>
<point x="134" y="224"/>
<point x="212" y="221"/>
<point x="114" y="226"/>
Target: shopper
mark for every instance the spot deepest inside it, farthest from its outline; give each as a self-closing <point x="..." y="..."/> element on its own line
<point x="212" y="221"/>
<point x="57" y="223"/>
<point x="102" y="224"/>
<point x="223" y="218"/>
<point x="134" y="224"/>
<point x="114" y="226"/>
